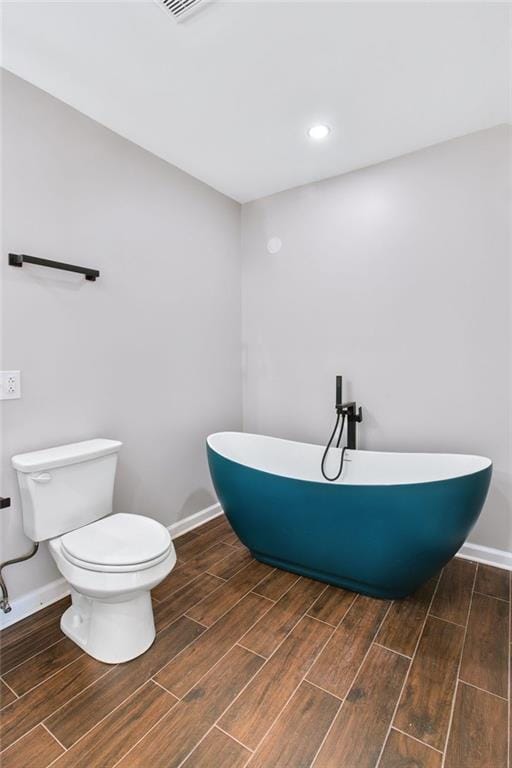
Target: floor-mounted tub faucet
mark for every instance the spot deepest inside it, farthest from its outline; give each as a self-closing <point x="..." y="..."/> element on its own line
<point x="350" y="413"/>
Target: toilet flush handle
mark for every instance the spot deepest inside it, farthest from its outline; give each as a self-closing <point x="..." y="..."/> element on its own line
<point x="42" y="477"/>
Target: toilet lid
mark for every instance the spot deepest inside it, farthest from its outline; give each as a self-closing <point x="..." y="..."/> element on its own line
<point x="118" y="540"/>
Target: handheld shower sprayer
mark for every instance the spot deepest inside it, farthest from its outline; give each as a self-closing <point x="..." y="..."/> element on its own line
<point x="344" y="412"/>
<point x="339" y="393"/>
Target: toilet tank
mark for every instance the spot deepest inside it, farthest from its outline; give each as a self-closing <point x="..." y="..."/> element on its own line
<point x="66" y="487"/>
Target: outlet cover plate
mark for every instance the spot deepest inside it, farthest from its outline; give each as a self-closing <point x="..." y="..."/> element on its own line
<point x="10" y="385"/>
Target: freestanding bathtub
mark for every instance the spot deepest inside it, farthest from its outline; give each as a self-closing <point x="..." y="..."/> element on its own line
<point x="388" y="525"/>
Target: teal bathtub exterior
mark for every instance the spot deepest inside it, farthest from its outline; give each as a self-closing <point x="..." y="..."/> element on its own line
<point x="380" y="540"/>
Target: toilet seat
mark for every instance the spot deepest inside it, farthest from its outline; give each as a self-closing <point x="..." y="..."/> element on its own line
<point x="118" y="543"/>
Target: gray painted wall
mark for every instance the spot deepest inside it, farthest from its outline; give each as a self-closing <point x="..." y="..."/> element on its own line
<point x="150" y="353"/>
<point x="399" y="277"/>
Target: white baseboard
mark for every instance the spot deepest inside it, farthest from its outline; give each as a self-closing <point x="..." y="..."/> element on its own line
<point x="500" y="558"/>
<point x="39" y="598"/>
<point x="33" y="601"/>
<point x="194" y="521"/>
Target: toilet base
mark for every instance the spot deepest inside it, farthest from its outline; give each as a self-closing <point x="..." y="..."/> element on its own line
<point x="112" y="632"/>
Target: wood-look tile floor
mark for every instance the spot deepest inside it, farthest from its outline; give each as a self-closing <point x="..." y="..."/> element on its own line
<point x="257" y="667"/>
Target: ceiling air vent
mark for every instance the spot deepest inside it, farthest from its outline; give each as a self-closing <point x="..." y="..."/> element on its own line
<point x="181" y="9"/>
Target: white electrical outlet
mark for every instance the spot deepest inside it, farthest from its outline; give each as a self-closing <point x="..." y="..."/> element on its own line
<point x="10" y="385"/>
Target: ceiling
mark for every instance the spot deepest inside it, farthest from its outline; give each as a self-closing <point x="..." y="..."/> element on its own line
<point x="229" y="94"/>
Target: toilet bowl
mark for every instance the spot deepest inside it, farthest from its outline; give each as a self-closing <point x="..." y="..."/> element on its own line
<point x="111" y="616"/>
<point x="111" y="561"/>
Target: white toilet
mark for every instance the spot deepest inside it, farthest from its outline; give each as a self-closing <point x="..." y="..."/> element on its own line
<point x="110" y="561"/>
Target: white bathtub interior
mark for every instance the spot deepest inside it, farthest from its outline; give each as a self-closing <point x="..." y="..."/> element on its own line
<point x="288" y="458"/>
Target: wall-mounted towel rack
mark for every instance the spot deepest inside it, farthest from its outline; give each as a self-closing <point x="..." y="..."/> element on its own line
<point x="18" y="259"/>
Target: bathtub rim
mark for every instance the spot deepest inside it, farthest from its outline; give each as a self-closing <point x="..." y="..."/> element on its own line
<point x="487" y="467"/>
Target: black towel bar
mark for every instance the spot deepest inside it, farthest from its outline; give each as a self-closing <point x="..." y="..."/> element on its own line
<point x="18" y="259"/>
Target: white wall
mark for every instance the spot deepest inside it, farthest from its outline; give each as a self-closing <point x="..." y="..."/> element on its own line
<point x="397" y="276"/>
<point x="150" y="353"/>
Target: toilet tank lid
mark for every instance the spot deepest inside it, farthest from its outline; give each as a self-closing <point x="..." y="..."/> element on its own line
<point x="62" y="455"/>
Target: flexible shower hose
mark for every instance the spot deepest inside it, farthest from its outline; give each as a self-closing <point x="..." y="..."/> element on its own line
<point x="328" y="448"/>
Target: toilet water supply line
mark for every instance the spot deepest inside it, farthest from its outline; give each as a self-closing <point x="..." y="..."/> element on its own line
<point x="4" y="600"/>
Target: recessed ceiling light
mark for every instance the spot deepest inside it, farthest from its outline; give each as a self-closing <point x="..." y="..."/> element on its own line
<point x="319" y="131"/>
